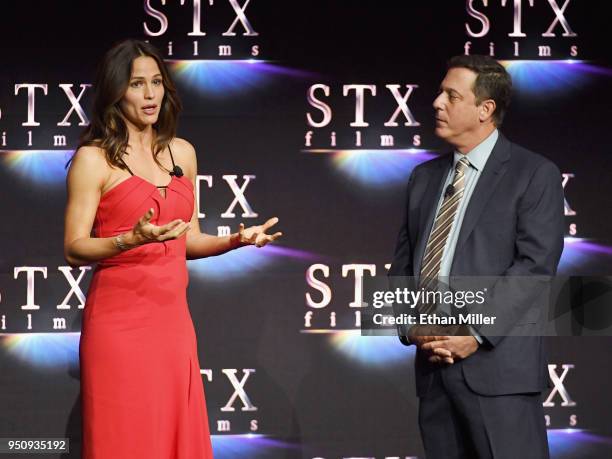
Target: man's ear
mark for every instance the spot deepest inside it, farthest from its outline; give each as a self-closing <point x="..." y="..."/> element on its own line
<point x="486" y="110"/>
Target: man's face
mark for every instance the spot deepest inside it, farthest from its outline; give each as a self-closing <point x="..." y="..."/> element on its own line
<point x="457" y="115"/>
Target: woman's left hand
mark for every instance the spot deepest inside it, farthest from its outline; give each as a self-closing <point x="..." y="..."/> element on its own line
<point x="256" y="235"/>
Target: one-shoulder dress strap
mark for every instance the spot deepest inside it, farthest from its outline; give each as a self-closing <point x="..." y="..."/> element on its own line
<point x="171" y="157"/>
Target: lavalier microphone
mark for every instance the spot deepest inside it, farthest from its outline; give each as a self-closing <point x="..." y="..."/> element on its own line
<point x="176" y="170"/>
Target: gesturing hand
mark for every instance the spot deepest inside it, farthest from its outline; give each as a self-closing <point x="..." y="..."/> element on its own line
<point x="144" y="231"/>
<point x="256" y="235"/>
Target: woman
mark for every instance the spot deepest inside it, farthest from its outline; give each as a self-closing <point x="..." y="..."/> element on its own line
<point x="132" y="182"/>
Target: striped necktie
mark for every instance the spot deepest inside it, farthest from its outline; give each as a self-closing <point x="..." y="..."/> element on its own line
<point x="430" y="267"/>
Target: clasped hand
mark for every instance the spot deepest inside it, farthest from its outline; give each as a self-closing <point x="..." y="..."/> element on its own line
<point x="441" y="346"/>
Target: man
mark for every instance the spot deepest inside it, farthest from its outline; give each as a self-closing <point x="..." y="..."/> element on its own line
<point x="480" y="393"/>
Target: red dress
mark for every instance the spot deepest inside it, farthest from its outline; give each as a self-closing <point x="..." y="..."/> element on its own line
<point x="141" y="387"/>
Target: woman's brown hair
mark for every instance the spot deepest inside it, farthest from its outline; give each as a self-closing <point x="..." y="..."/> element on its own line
<point x="107" y="128"/>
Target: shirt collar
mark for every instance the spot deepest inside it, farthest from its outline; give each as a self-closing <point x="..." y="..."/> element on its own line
<point x="479" y="155"/>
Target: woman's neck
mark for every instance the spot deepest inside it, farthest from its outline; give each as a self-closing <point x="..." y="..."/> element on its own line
<point x="140" y="138"/>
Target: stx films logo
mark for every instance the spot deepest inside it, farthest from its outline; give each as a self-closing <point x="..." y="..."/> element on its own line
<point x="363" y="103"/>
<point x="559" y="399"/>
<point x="334" y="299"/>
<point x="369" y="131"/>
<point x="556" y="37"/>
<point x="31" y="131"/>
<point x="218" y="29"/>
<point x="239" y="413"/>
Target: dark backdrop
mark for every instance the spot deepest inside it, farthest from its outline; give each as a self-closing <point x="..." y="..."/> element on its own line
<point x="312" y="388"/>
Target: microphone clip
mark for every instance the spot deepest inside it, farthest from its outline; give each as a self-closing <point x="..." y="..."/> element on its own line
<point x="176" y="170"/>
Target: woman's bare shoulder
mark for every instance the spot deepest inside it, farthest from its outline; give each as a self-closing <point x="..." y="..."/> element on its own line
<point x="184" y="153"/>
<point x="90" y="153"/>
<point x="90" y="161"/>
<point x="182" y="147"/>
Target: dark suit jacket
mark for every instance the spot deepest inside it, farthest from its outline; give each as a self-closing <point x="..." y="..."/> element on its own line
<point x="513" y="226"/>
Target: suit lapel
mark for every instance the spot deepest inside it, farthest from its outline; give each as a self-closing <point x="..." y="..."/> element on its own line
<point x="428" y="208"/>
<point x="494" y="170"/>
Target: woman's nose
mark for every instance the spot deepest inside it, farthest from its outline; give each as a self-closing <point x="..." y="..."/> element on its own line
<point x="148" y="92"/>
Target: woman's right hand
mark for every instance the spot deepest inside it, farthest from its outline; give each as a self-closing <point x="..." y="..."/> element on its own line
<point x="144" y="231"/>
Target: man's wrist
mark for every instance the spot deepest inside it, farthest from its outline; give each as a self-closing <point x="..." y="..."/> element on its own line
<point x="410" y="331"/>
<point x="475" y="335"/>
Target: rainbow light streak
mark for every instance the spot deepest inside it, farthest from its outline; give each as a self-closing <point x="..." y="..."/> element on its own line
<point x="248" y="445"/>
<point x="543" y="77"/>
<point x="222" y="78"/>
<point x="275" y="249"/>
<point x="44" y="350"/>
<point x="237" y="263"/>
<point x="578" y="252"/>
<point x="41" y="167"/>
<point x="574" y="442"/>
<point x="377" y="168"/>
<point x="370" y="350"/>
